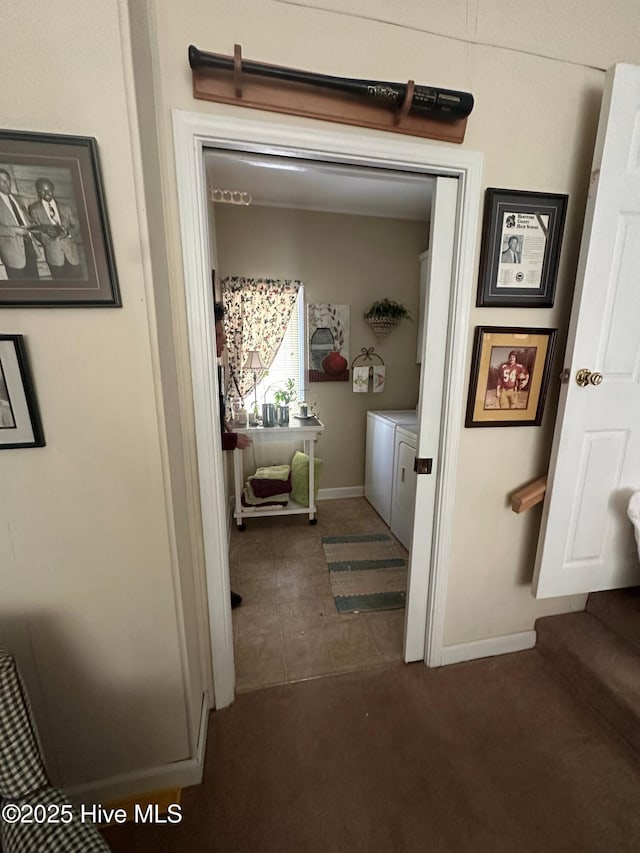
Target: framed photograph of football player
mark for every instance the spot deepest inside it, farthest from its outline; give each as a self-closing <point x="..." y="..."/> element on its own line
<point x="510" y="372"/>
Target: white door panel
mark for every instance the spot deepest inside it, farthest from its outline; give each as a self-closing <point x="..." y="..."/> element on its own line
<point x="586" y="541"/>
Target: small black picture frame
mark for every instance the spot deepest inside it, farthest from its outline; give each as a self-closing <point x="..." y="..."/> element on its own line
<point x="55" y="244"/>
<point x="20" y="424"/>
<point x="510" y="371"/>
<point x="520" y="250"/>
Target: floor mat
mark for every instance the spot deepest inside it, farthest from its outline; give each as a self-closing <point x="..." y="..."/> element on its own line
<point x="366" y="572"/>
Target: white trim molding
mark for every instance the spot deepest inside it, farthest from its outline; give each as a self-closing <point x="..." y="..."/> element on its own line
<point x="340" y="492"/>
<point x="178" y="774"/>
<point x="192" y="202"/>
<point x="253" y="131"/>
<point x="488" y="648"/>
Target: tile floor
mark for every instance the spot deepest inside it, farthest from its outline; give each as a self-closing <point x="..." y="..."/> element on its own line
<point x="287" y="628"/>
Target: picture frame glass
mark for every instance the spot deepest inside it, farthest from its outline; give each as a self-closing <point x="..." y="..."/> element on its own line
<point x="19" y="418"/>
<point x="520" y="252"/>
<point x="509" y="377"/>
<point x="8" y="414"/>
<point x="55" y="245"/>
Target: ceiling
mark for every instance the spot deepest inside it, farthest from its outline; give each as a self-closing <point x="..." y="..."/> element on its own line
<point x="280" y="181"/>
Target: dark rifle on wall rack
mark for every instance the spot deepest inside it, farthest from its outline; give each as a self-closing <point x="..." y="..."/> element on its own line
<point x="427" y="101"/>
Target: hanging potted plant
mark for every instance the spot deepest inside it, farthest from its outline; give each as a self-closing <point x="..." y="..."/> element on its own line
<point x="384" y="316"/>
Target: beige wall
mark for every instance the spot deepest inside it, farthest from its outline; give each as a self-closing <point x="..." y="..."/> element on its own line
<point x="88" y="588"/>
<point x="183" y="509"/>
<point x="341" y="259"/>
<point x="537" y="101"/>
<point x="99" y="530"/>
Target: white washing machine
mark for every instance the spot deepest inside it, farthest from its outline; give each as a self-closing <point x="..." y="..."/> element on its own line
<point x="379" y="478"/>
<point x="403" y="497"/>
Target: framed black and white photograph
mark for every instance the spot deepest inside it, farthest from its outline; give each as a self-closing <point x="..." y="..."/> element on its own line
<point x="20" y="424"/>
<point x="55" y="244"/>
<point x="520" y="251"/>
<point x="510" y="373"/>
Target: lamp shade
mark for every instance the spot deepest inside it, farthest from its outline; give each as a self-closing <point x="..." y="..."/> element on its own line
<point x="253" y="361"/>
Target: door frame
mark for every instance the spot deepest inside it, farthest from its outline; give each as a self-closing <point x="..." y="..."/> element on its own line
<point x="430" y="438"/>
<point x="193" y="132"/>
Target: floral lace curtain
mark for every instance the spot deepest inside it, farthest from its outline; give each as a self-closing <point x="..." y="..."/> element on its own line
<point x="256" y="317"/>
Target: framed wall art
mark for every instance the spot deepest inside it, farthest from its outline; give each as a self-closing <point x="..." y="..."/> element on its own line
<point x="328" y="342"/>
<point x="20" y="424"/>
<point x="510" y="371"/>
<point x="55" y="245"/>
<point x="521" y="240"/>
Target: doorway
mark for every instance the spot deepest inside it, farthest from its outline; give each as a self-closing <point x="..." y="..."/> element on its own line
<point x="193" y="133"/>
<point x="351" y="235"/>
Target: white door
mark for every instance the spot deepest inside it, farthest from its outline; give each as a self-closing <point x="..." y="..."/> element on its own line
<point x="434" y="348"/>
<point x="586" y="541"/>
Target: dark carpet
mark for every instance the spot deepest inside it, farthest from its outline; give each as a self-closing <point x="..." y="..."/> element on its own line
<point x="485" y="757"/>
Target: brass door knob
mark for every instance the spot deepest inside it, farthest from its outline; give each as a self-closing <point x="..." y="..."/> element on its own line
<point x="585" y="377"/>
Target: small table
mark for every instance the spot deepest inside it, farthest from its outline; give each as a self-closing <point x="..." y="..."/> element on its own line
<point x="299" y="429"/>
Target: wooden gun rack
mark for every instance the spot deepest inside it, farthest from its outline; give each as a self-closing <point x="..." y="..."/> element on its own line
<point x="283" y="96"/>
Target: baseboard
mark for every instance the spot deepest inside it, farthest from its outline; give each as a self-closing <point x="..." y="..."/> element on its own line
<point x="179" y="774"/>
<point x="487" y="648"/>
<point x="342" y="492"/>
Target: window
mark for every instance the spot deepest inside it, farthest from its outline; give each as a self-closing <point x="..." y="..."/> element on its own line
<point x="289" y="360"/>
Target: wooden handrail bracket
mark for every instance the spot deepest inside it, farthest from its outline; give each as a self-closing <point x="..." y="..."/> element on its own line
<point x="529" y="496"/>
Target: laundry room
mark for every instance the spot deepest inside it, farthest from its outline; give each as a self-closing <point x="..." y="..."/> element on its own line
<point x="322" y="245"/>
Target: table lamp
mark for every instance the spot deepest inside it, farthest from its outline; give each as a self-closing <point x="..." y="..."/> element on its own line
<point x="254" y="362"/>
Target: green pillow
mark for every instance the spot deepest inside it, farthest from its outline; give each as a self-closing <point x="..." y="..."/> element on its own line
<point x="300" y="478"/>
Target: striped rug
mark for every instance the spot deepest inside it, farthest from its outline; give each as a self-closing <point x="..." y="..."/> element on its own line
<point x="366" y="572"/>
